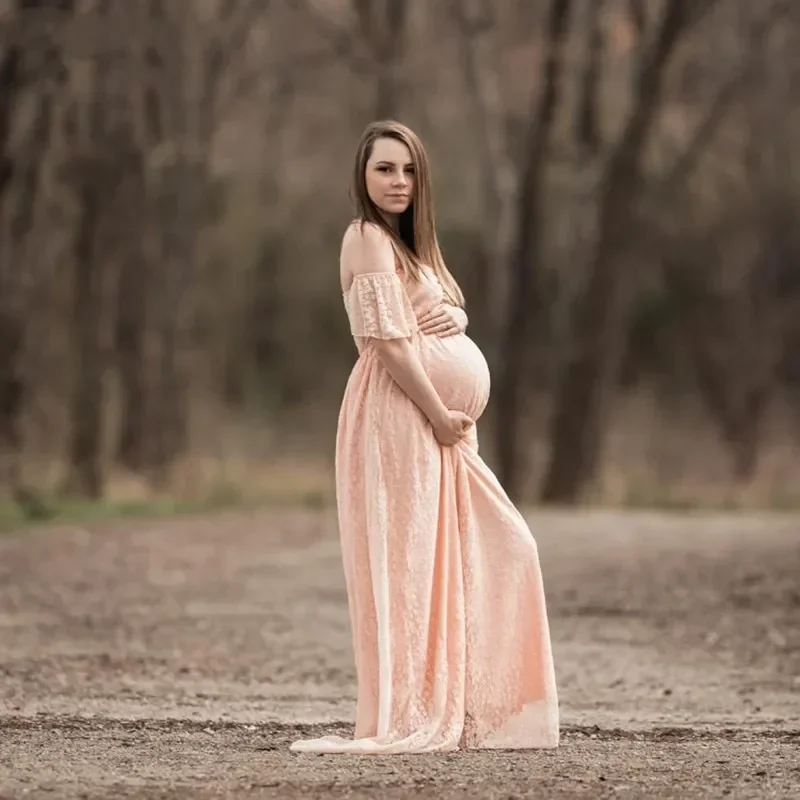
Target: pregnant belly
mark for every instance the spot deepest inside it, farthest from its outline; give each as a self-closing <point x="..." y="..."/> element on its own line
<point x="458" y="371"/>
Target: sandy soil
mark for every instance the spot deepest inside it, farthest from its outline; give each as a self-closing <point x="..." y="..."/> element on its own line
<point x="179" y="659"/>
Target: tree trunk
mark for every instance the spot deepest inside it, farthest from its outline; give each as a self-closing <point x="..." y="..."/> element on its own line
<point x="170" y="316"/>
<point x="498" y="172"/>
<point x="734" y="344"/>
<point x="387" y="94"/>
<point x="11" y="331"/>
<point x="583" y="392"/>
<point x="91" y="172"/>
<point x="589" y="132"/>
<point x="172" y="417"/>
<point x="12" y="396"/>
<point x="10" y="68"/>
<point x="738" y="403"/>
<point x="86" y="412"/>
<point x="16" y="226"/>
<point x="525" y="262"/>
<point x="132" y="324"/>
<point x="384" y="26"/>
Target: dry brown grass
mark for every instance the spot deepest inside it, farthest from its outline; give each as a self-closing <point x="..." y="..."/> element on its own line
<point x="654" y="460"/>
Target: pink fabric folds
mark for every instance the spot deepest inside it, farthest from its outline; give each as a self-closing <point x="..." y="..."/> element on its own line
<point x="447" y="607"/>
<point x="378" y="307"/>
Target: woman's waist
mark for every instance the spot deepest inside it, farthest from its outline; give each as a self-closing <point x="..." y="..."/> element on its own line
<point x="430" y="346"/>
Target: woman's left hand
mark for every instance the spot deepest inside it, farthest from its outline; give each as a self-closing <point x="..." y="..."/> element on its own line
<point x="444" y="320"/>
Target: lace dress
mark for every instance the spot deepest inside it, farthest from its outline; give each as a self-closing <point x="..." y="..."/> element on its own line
<point x="447" y="608"/>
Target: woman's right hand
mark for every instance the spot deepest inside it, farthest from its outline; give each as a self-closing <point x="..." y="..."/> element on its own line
<point x="452" y="428"/>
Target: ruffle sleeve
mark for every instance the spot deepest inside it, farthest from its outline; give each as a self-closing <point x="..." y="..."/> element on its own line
<point x="378" y="307"/>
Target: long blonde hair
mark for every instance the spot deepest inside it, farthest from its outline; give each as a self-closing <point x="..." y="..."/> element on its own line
<point x="415" y="243"/>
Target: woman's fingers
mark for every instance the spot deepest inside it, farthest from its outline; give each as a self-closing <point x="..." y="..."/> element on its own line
<point x="434" y="325"/>
<point x="439" y="321"/>
<point x="452" y="330"/>
<point x="434" y="317"/>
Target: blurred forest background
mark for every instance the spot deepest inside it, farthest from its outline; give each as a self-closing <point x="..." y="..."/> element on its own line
<point x="617" y="192"/>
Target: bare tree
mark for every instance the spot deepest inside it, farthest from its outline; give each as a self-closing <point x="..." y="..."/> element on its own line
<point x="89" y="171"/>
<point x="733" y="336"/>
<point x="588" y="127"/>
<point x="735" y="320"/>
<point x="29" y="61"/>
<point x="381" y="31"/>
<point x="476" y="22"/>
<point x="131" y="318"/>
<point x="157" y="189"/>
<point x="383" y="24"/>
<point x="188" y="73"/>
<point x="526" y="254"/>
<point x="11" y="329"/>
<point x="590" y="372"/>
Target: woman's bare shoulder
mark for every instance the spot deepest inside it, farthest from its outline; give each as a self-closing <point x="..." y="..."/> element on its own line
<point x="364" y="232"/>
<point x="366" y="247"/>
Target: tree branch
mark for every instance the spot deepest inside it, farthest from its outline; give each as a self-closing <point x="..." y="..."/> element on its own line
<point x="704" y="133"/>
<point x="685" y="164"/>
<point x="474" y="23"/>
<point x="287" y="77"/>
<point x="700" y="9"/>
<point x="340" y="39"/>
<point x="638" y="16"/>
<point x="678" y="17"/>
<point x="589" y="131"/>
<point x="229" y="43"/>
<point x="366" y="18"/>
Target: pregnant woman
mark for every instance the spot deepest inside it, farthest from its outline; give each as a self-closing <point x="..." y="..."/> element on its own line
<point x="447" y="609"/>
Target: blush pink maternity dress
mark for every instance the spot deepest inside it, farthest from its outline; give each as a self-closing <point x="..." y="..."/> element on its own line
<point x="449" y="625"/>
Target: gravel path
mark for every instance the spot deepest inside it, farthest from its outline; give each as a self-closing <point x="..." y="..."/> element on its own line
<point x="178" y="659"/>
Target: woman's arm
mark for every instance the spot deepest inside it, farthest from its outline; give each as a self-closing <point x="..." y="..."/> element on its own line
<point x="403" y="364"/>
<point x="366" y="253"/>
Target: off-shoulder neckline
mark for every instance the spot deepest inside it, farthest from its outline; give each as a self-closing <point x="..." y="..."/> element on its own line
<point x="397" y="274"/>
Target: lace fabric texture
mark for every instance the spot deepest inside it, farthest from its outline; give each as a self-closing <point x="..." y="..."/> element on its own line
<point x="447" y="607"/>
<point x="378" y="307"/>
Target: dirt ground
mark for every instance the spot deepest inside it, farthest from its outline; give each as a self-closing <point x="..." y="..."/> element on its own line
<point x="178" y="659"/>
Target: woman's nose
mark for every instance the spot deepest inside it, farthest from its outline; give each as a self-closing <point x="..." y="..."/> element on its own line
<point x="400" y="179"/>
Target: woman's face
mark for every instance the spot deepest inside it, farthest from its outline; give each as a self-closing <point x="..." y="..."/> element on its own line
<point x="390" y="176"/>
